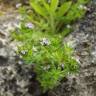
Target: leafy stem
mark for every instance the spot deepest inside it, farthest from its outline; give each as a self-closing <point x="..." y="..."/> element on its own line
<point x="52" y="24"/>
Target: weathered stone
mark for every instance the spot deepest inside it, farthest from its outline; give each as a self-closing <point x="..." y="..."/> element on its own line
<point x="3" y="53"/>
<point x="19" y="79"/>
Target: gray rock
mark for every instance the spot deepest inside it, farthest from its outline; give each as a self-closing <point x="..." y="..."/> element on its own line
<point x="19" y="79"/>
<point x="3" y="53"/>
<point x="1" y="44"/>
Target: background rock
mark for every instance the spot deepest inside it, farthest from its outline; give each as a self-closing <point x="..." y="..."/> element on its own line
<point x="18" y="79"/>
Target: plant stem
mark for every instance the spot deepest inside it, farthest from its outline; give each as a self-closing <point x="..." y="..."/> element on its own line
<point x="52" y="23"/>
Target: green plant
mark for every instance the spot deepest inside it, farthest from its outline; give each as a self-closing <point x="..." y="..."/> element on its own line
<point x="51" y="58"/>
<point x="42" y="39"/>
<point x="53" y="16"/>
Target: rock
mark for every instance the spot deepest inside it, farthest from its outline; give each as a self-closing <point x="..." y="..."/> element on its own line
<point x="18" y="79"/>
<point x="1" y="44"/>
<point x="3" y="53"/>
<point x="2" y="35"/>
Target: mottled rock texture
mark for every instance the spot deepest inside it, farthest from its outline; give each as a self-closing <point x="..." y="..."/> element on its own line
<point x="17" y="79"/>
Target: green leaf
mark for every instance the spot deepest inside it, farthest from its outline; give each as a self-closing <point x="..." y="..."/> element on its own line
<point x="64" y="8"/>
<point x="46" y="5"/>
<point x="54" y="5"/>
<point x="39" y="9"/>
<point x="83" y="1"/>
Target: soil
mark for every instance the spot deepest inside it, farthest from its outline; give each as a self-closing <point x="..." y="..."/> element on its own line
<point x="18" y="79"/>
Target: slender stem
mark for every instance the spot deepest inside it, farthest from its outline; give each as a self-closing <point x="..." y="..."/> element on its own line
<point x="52" y="23"/>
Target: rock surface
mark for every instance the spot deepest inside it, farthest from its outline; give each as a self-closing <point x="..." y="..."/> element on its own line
<point x="17" y="79"/>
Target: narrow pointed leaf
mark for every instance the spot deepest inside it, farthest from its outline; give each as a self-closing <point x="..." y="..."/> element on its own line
<point x="54" y="5"/>
<point x="40" y="10"/>
<point x="64" y="8"/>
<point x="46" y="5"/>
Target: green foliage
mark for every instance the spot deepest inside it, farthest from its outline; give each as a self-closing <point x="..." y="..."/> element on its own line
<point x="43" y="45"/>
<point x="52" y="59"/>
<point x="56" y="15"/>
<point x="50" y="13"/>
